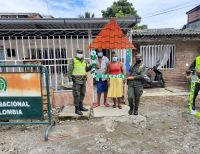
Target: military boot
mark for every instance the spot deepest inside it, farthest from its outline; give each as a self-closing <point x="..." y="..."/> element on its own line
<point x="136" y="111"/>
<point x="130" y="112"/>
<point x="83" y="109"/>
<point x="77" y="111"/>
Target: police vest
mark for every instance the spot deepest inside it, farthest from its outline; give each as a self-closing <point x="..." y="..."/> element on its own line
<point x="197" y="67"/>
<point x="79" y="67"/>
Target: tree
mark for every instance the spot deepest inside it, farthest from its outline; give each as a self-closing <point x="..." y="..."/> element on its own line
<point x="87" y="15"/>
<point x="140" y="26"/>
<point x="122" y="9"/>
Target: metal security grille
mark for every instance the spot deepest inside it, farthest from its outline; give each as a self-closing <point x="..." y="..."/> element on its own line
<point x="159" y="54"/>
<point x="53" y="49"/>
<point x="54" y="52"/>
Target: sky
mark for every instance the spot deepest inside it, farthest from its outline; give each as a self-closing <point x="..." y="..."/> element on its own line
<point x="73" y="8"/>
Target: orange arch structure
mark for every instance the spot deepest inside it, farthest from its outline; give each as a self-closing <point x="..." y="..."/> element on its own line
<point x="111" y="37"/>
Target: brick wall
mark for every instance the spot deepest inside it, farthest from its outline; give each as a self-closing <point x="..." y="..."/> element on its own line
<point x="194" y="16"/>
<point x="185" y="54"/>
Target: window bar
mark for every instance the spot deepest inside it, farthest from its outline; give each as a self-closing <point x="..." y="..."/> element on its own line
<point x="155" y="53"/>
<point x="42" y="58"/>
<point x="55" y="69"/>
<point x="29" y="49"/>
<point x="42" y="50"/>
<point x="29" y="46"/>
<point x="23" y="49"/>
<point x="149" y="56"/>
<point x="164" y="54"/>
<point x="11" y="51"/>
<point x="174" y="56"/>
<point x="72" y="50"/>
<point x="49" y="62"/>
<point x="77" y="45"/>
<point x="89" y="41"/>
<point x="161" y="57"/>
<point x="36" y="57"/>
<point x="169" y="50"/>
<point x="151" y="53"/>
<point x="143" y="54"/>
<point x="84" y="46"/>
<point x="66" y="60"/>
<point x="4" y="49"/>
<point x="66" y="46"/>
<point x="61" y="65"/>
<point x="17" y="49"/>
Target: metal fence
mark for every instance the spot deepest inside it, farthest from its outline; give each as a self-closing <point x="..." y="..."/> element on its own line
<point x="53" y="51"/>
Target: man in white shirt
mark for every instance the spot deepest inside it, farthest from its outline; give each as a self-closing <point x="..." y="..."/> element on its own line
<point x="102" y="84"/>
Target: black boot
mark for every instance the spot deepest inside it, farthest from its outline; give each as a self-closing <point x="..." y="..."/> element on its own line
<point x="83" y="109"/>
<point x="130" y="112"/>
<point x="136" y="111"/>
<point x="77" y="111"/>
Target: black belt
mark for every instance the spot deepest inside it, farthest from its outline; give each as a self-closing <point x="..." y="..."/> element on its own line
<point x="79" y="76"/>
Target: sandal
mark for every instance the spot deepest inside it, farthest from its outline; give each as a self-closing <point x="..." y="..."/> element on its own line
<point x="119" y="106"/>
<point x="114" y="105"/>
<point x="96" y="105"/>
<point x="106" y="104"/>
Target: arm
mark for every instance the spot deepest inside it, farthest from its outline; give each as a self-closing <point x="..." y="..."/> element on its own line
<point x="142" y="73"/>
<point x="122" y="68"/>
<point x="192" y="66"/>
<point x="70" y="70"/>
<point x="88" y="68"/>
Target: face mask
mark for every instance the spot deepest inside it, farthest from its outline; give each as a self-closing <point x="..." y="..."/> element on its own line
<point x="114" y="59"/>
<point x="138" y="61"/>
<point x="100" y="54"/>
<point x="79" y="55"/>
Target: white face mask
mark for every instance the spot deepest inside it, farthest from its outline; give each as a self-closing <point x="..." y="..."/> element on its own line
<point x="79" y="55"/>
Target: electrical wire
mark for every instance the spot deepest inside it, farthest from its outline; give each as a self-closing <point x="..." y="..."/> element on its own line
<point x="169" y="11"/>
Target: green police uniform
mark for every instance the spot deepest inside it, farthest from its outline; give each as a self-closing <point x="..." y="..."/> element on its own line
<point x="77" y="74"/>
<point x="135" y="87"/>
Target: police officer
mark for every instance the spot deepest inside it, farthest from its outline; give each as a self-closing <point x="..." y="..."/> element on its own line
<point x="135" y="86"/>
<point x="195" y="84"/>
<point x="77" y="73"/>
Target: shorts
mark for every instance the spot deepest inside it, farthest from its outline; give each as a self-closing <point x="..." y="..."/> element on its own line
<point x="102" y="86"/>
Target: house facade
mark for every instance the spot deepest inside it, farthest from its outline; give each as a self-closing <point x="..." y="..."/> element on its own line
<point x="194" y="18"/>
<point x="174" y="49"/>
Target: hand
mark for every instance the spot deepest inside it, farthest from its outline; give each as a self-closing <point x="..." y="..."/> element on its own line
<point x="108" y="83"/>
<point x="130" y="78"/>
<point x="97" y="66"/>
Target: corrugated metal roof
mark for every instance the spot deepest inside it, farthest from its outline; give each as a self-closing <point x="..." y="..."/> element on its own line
<point x="64" y="23"/>
<point x="164" y="32"/>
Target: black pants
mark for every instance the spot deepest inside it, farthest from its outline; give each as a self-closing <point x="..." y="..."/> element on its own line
<point x="79" y="94"/>
<point x="134" y="94"/>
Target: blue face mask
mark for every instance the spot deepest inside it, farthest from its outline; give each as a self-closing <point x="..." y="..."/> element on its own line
<point x="114" y="59"/>
<point x="100" y="54"/>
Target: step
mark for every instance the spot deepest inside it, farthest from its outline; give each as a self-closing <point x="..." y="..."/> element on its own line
<point x="68" y="113"/>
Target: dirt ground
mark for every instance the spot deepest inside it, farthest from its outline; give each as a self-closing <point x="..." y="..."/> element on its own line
<point x="163" y="126"/>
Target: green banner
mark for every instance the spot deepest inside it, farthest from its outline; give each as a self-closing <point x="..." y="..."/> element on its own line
<point x="110" y="76"/>
<point x="21" y="108"/>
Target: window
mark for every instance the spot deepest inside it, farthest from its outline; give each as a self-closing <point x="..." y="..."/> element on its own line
<point x="159" y="54"/>
<point x="11" y="53"/>
<point x="51" y="58"/>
